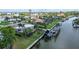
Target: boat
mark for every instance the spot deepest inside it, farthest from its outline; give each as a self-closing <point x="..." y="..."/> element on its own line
<point x="56" y="31"/>
<point x="74" y="24"/>
<point x="52" y="33"/>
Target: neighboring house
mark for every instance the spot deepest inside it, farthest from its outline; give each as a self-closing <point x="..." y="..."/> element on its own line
<point x="9" y="15"/>
<point x="26" y="26"/>
<point x="12" y="19"/>
<point x="61" y="14"/>
<point x="16" y="14"/>
<point x="38" y="20"/>
<point x="26" y="17"/>
<point x="34" y="16"/>
<point x="31" y="26"/>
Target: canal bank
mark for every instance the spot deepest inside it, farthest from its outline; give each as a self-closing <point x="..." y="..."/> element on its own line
<point x="40" y="38"/>
<point x="67" y="39"/>
<point x="36" y="41"/>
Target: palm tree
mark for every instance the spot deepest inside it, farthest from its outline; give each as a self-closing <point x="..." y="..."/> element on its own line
<point x="8" y="37"/>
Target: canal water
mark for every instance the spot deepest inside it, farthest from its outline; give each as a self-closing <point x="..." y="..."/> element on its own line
<point x="68" y="38"/>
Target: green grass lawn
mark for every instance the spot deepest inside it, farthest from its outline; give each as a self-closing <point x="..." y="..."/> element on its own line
<point x="48" y="26"/>
<point x="4" y="23"/>
<point x="52" y="24"/>
<point x="22" y="43"/>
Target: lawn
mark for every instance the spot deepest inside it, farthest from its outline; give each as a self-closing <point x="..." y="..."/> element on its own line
<point x="22" y="43"/>
<point x="48" y="26"/>
<point x="4" y="23"/>
<point x="52" y="23"/>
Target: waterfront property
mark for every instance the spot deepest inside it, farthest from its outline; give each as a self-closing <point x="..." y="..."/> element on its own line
<point x="20" y="30"/>
<point x="68" y="38"/>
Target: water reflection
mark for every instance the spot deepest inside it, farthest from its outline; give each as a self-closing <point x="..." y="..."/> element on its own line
<point x="67" y="38"/>
<point x="37" y="45"/>
<point x="46" y="40"/>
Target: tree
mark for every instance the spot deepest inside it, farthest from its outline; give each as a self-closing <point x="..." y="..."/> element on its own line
<point x="8" y="37"/>
<point x="7" y="18"/>
<point x="28" y="32"/>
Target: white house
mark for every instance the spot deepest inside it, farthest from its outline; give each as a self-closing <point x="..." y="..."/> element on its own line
<point x="26" y="26"/>
<point x="26" y="16"/>
<point x="16" y="14"/>
<point x="29" y="26"/>
<point x="12" y="19"/>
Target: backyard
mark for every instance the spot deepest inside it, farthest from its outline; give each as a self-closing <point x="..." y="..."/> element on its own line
<point x="49" y="25"/>
<point x="22" y="42"/>
<point x="52" y="23"/>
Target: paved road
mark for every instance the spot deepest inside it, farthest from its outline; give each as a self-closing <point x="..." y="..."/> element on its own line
<point x="67" y="39"/>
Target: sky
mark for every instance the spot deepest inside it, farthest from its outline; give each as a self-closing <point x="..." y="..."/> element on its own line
<point x="37" y="10"/>
<point x="38" y="5"/>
